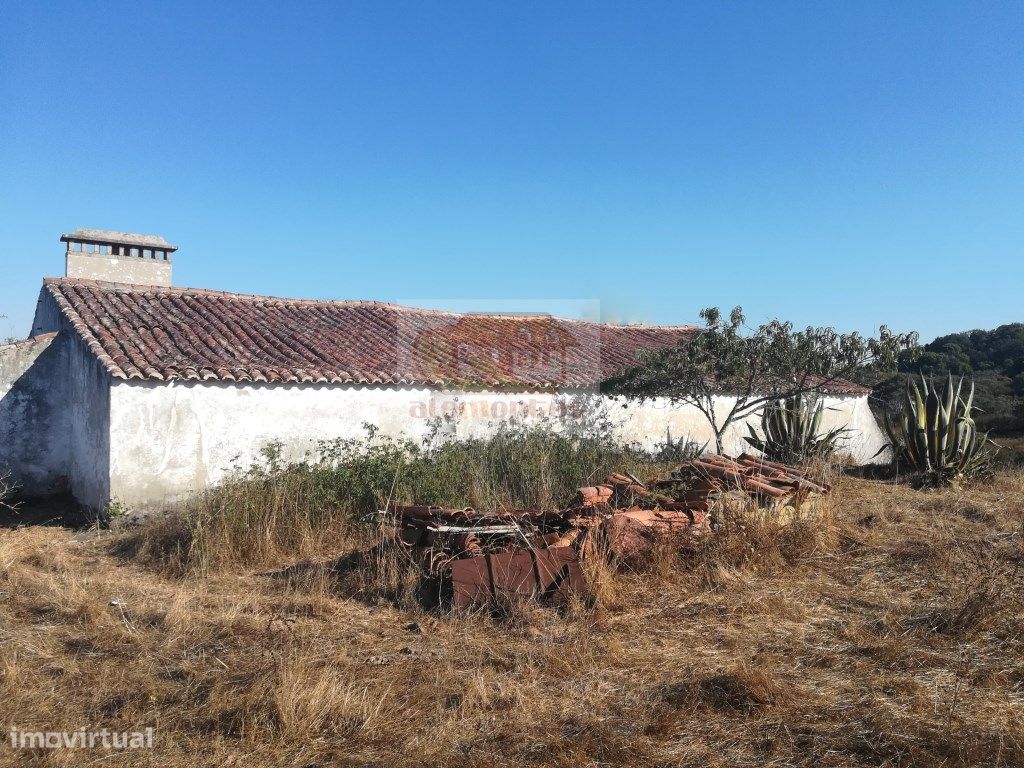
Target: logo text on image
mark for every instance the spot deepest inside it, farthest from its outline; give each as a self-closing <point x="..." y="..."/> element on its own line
<point x="495" y="408"/>
<point x="82" y="739"/>
<point x="501" y="349"/>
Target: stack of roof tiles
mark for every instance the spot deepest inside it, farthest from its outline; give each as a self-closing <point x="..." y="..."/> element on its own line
<point x="486" y="557"/>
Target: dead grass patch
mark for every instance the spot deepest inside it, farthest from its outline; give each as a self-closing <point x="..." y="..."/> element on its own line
<point x="827" y="643"/>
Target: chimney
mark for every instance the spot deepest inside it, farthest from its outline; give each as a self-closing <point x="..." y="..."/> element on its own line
<point x="118" y="257"/>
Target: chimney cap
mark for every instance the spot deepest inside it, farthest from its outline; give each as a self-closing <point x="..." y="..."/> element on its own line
<point x="107" y="237"/>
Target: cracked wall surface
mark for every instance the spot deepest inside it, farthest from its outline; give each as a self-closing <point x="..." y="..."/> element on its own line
<point x="170" y="439"/>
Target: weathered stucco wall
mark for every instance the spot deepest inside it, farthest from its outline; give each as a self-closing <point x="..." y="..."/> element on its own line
<point x="646" y="424"/>
<point x="33" y="416"/>
<point x="88" y="433"/>
<point x="168" y="439"/>
<point x="71" y="392"/>
<point x="53" y="418"/>
<point x="133" y="270"/>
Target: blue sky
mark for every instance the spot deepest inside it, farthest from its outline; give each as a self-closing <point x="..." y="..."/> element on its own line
<point x="845" y="164"/>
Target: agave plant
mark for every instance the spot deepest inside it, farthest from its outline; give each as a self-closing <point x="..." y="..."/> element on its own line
<point x="679" y="451"/>
<point x="935" y="434"/>
<point x="792" y="430"/>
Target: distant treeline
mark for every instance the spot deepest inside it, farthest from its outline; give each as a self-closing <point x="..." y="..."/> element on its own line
<point x="994" y="359"/>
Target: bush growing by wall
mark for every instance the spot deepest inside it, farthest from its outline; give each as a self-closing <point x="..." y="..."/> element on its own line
<point x="276" y="509"/>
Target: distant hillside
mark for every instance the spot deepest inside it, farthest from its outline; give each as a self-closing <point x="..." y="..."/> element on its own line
<point x="995" y="359"/>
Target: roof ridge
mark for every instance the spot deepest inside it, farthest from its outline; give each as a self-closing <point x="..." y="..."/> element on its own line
<point x="401" y="308"/>
<point x="30" y="340"/>
<point x="168" y="334"/>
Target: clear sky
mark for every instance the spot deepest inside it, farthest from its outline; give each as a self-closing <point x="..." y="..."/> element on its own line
<point x="844" y="163"/>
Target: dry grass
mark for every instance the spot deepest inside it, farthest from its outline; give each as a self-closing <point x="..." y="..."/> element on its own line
<point x="274" y="513"/>
<point x="886" y="630"/>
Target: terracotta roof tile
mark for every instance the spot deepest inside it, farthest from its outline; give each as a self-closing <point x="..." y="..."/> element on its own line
<point x="142" y="332"/>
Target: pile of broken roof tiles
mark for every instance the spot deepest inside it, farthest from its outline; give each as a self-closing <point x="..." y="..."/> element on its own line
<point x="484" y="558"/>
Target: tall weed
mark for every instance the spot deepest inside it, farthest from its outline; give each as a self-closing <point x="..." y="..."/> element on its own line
<point x="275" y="510"/>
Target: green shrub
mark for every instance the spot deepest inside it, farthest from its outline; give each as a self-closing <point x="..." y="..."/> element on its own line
<point x="276" y="508"/>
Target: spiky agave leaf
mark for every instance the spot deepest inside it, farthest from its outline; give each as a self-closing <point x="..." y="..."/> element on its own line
<point x="791" y="430"/>
<point x="935" y="432"/>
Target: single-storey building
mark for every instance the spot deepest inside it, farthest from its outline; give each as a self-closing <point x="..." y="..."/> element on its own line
<point x="130" y="389"/>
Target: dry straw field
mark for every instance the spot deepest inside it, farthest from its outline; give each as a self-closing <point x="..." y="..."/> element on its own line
<point x="885" y="630"/>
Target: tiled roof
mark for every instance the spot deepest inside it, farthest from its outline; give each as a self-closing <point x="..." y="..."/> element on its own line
<point x="142" y="332"/>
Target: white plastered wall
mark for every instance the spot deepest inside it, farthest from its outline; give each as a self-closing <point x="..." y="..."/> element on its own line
<point x="169" y="439"/>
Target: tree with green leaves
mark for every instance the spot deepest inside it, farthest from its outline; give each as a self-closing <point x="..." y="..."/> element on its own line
<point x="992" y="359"/>
<point x="756" y="367"/>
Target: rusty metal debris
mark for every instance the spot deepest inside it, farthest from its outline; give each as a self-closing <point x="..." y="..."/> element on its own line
<point x="485" y="558"/>
<point x="549" y="574"/>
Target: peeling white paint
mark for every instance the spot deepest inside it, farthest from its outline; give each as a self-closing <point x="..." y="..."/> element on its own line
<point x="170" y="439"/>
<point x="118" y="269"/>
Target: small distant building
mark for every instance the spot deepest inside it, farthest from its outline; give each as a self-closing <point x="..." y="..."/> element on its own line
<point x="131" y="389"/>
